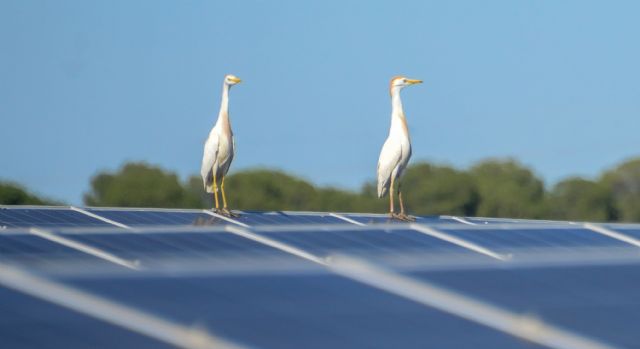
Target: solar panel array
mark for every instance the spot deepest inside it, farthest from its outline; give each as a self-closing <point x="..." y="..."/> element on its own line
<point x="158" y="278"/>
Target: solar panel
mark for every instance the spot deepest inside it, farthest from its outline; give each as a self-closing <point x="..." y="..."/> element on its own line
<point x="296" y="310"/>
<point x="509" y="239"/>
<point x="601" y="300"/>
<point x="385" y="219"/>
<point x="46" y="217"/>
<point x="370" y="242"/>
<point x="28" y="322"/>
<point x="151" y="217"/>
<point x="279" y="217"/>
<point x="322" y="279"/>
<point x="149" y="246"/>
<point x="133" y="217"/>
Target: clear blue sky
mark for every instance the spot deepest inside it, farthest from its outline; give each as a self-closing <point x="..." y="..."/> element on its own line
<point x="88" y="85"/>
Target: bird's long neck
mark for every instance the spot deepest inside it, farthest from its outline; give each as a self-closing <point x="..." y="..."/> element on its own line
<point x="398" y="121"/>
<point x="223" y="115"/>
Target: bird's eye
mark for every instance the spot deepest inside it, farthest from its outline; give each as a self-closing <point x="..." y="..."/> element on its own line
<point x="404" y="80"/>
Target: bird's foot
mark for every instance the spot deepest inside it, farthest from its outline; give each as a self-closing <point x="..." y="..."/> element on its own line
<point x="227" y="212"/>
<point x="402" y="217"/>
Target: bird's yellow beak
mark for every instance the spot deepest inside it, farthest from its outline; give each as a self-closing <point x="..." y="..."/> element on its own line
<point x="413" y="81"/>
<point x="235" y="80"/>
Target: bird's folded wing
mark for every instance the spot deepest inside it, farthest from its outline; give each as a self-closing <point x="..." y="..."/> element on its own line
<point x="209" y="157"/>
<point x="389" y="159"/>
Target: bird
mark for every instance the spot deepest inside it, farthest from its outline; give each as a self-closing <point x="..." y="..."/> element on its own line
<point x="219" y="150"/>
<point x="396" y="150"/>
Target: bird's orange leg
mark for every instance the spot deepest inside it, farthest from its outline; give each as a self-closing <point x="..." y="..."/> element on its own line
<point x="225" y="210"/>
<point x="391" y="208"/>
<point x="215" y="193"/>
<point x="403" y="216"/>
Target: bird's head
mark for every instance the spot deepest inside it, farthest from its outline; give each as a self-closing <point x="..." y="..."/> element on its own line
<point x="399" y="82"/>
<point x="231" y="80"/>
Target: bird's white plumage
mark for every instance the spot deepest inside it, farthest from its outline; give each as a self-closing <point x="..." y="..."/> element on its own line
<point x="396" y="151"/>
<point x="394" y="158"/>
<point x="219" y="148"/>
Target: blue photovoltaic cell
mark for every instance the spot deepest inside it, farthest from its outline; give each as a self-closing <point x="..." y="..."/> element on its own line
<point x="278" y="218"/>
<point x="158" y="217"/>
<point x="151" y="246"/>
<point x="383" y="219"/>
<point x="30" y="246"/>
<point x="601" y="302"/>
<point x="33" y="252"/>
<point x="35" y="217"/>
<point x="149" y="217"/>
<point x="28" y="323"/>
<point x="298" y="311"/>
<point x="534" y="238"/>
<point x="369" y="242"/>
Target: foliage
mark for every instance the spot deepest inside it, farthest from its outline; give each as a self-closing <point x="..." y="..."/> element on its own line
<point x="494" y="188"/>
<point x="138" y="184"/>
<point x="14" y="194"/>
<point x="439" y="190"/>
<point x="580" y="199"/>
<point x="508" y="189"/>
<point x="623" y="182"/>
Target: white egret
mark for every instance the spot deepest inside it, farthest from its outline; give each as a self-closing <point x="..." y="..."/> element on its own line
<point x="396" y="150"/>
<point x="219" y="149"/>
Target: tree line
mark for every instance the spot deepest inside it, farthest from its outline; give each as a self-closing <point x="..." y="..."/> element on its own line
<point x="490" y="188"/>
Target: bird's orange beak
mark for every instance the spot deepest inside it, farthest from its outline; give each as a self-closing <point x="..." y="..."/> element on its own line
<point x="413" y="81"/>
<point x="236" y="80"/>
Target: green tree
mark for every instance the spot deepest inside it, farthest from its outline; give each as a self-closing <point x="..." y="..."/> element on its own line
<point x="580" y="199"/>
<point x="438" y="190"/>
<point x="262" y="189"/>
<point x="508" y="189"/>
<point x="14" y="194"/>
<point x="138" y="184"/>
<point x="623" y="182"/>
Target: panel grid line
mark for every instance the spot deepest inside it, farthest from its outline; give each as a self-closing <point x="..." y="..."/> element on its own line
<point x="112" y="312"/>
<point x="96" y="252"/>
<point x="612" y="234"/>
<point x="96" y="216"/>
<point x="346" y="219"/>
<point x="423" y="292"/>
<point x="458" y="241"/>
<point x="460" y="219"/>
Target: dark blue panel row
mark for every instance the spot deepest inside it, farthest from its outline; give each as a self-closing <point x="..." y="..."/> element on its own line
<point x="31" y="217"/>
<point x="183" y="245"/>
<point x="598" y="301"/>
<point x="28" y="323"/>
<point x="272" y="218"/>
<point x="31" y="251"/>
<point x="155" y="217"/>
<point x="64" y="217"/>
<point x="508" y="239"/>
<point x="369" y="242"/>
<point x="383" y="219"/>
<point x="299" y="311"/>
